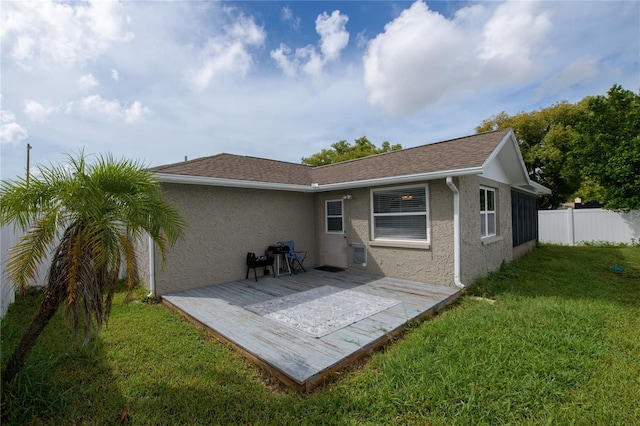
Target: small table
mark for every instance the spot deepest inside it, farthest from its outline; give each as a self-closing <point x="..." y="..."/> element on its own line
<point x="277" y="252"/>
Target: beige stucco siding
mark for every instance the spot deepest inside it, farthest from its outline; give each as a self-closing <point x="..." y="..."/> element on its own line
<point x="433" y="265"/>
<point x="141" y="247"/>
<point x="478" y="258"/>
<point x="223" y="224"/>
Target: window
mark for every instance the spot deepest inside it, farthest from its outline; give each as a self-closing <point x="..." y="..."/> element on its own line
<point x="487" y="212"/>
<point x="334" y="223"/>
<point x="400" y="214"/>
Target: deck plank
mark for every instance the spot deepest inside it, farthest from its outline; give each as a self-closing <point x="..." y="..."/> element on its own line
<point x="300" y="359"/>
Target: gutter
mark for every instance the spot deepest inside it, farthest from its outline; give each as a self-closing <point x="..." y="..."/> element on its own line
<point x="152" y="270"/>
<point x="314" y="187"/>
<point x="456" y="232"/>
<point x="399" y="179"/>
<point x="234" y="183"/>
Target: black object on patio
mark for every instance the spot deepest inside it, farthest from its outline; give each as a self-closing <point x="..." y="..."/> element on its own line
<point x="254" y="262"/>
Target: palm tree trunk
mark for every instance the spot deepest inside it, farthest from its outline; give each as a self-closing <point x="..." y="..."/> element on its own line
<point x="47" y="309"/>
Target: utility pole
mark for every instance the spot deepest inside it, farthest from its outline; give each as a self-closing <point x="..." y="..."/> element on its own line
<point x="28" y="162"/>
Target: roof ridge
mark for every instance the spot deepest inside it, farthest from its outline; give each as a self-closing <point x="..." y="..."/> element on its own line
<point x="272" y="160"/>
<point x="195" y="160"/>
<point x="223" y="154"/>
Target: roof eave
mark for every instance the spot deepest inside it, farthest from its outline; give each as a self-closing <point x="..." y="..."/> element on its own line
<point x="233" y="183"/>
<point x="391" y="180"/>
<point x="540" y="189"/>
<point x="394" y="180"/>
<point x="527" y="184"/>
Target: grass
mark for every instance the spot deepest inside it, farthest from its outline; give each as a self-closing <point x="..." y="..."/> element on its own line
<point x="560" y="345"/>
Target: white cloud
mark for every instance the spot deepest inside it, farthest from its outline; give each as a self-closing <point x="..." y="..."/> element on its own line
<point x="288" y="16"/>
<point x="441" y="61"/>
<point x="423" y="56"/>
<point x="45" y="33"/>
<point x="245" y="29"/>
<point x="512" y="38"/>
<point x="312" y="62"/>
<point x="136" y="112"/>
<point x="228" y="53"/>
<point x="36" y="111"/>
<point x="281" y="56"/>
<point x="579" y="71"/>
<point x="333" y="39"/>
<point x="361" y="39"/>
<point x="333" y="34"/>
<point x="87" y="81"/>
<point x="10" y="131"/>
<point x="112" y="109"/>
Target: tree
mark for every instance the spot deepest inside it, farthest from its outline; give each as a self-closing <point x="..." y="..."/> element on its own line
<point x="96" y="212"/>
<point x="609" y="147"/>
<point x="546" y="138"/>
<point x="343" y="151"/>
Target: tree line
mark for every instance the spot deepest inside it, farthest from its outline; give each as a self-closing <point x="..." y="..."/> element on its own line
<point x="589" y="149"/>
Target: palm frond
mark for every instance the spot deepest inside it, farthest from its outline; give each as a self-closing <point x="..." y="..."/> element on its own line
<point x="96" y="209"/>
<point x="31" y="250"/>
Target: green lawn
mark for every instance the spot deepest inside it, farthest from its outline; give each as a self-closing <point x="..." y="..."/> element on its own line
<point x="560" y="345"/>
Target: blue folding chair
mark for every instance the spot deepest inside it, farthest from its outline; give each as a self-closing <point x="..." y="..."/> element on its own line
<point x="294" y="257"/>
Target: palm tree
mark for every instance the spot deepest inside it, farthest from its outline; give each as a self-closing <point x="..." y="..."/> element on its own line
<point x="91" y="215"/>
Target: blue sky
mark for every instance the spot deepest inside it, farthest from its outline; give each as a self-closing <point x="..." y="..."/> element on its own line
<point x="158" y="81"/>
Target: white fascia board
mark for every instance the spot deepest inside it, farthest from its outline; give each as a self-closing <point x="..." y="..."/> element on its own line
<point x="400" y="179"/>
<point x="529" y="186"/>
<point x="533" y="188"/>
<point x="498" y="148"/>
<point x="232" y="183"/>
<point x="509" y="137"/>
<point x="540" y="189"/>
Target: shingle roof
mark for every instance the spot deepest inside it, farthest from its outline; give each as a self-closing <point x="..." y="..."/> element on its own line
<point x="238" y="167"/>
<point x="462" y="153"/>
<point x="455" y="154"/>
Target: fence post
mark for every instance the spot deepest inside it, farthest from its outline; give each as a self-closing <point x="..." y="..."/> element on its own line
<point x="570" y="231"/>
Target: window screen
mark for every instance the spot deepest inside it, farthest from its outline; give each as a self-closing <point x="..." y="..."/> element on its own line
<point x="487" y="212"/>
<point x="334" y="216"/>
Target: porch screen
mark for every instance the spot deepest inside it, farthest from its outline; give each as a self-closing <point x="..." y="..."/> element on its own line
<point x="400" y="213"/>
<point x="524" y="217"/>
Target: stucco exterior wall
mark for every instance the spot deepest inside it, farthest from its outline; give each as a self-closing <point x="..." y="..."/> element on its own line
<point x="479" y="257"/>
<point x="223" y="224"/>
<point x="433" y="265"/>
<point x="141" y="247"/>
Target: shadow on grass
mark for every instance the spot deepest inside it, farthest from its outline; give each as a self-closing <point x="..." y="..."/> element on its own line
<point x="609" y="274"/>
<point x="59" y="376"/>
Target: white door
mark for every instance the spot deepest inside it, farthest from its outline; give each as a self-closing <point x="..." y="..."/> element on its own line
<point x="335" y="237"/>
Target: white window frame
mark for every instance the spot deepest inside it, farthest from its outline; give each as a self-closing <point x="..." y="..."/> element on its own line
<point x="404" y="242"/>
<point x="486" y="213"/>
<point x="327" y="216"/>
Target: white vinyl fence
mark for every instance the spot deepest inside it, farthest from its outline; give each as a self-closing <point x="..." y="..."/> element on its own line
<point x="575" y="226"/>
<point x="8" y="238"/>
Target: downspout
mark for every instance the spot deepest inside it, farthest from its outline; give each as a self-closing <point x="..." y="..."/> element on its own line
<point x="456" y="232"/>
<point x="152" y="270"/>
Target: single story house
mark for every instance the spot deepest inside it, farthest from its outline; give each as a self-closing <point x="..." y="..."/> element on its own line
<point x="444" y="213"/>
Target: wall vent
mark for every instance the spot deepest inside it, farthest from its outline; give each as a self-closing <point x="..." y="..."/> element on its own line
<point x="358" y="255"/>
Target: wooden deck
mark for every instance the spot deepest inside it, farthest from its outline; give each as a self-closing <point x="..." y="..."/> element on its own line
<point x="294" y="357"/>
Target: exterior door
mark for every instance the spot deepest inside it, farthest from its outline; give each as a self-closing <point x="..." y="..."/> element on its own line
<point x="335" y="237"/>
